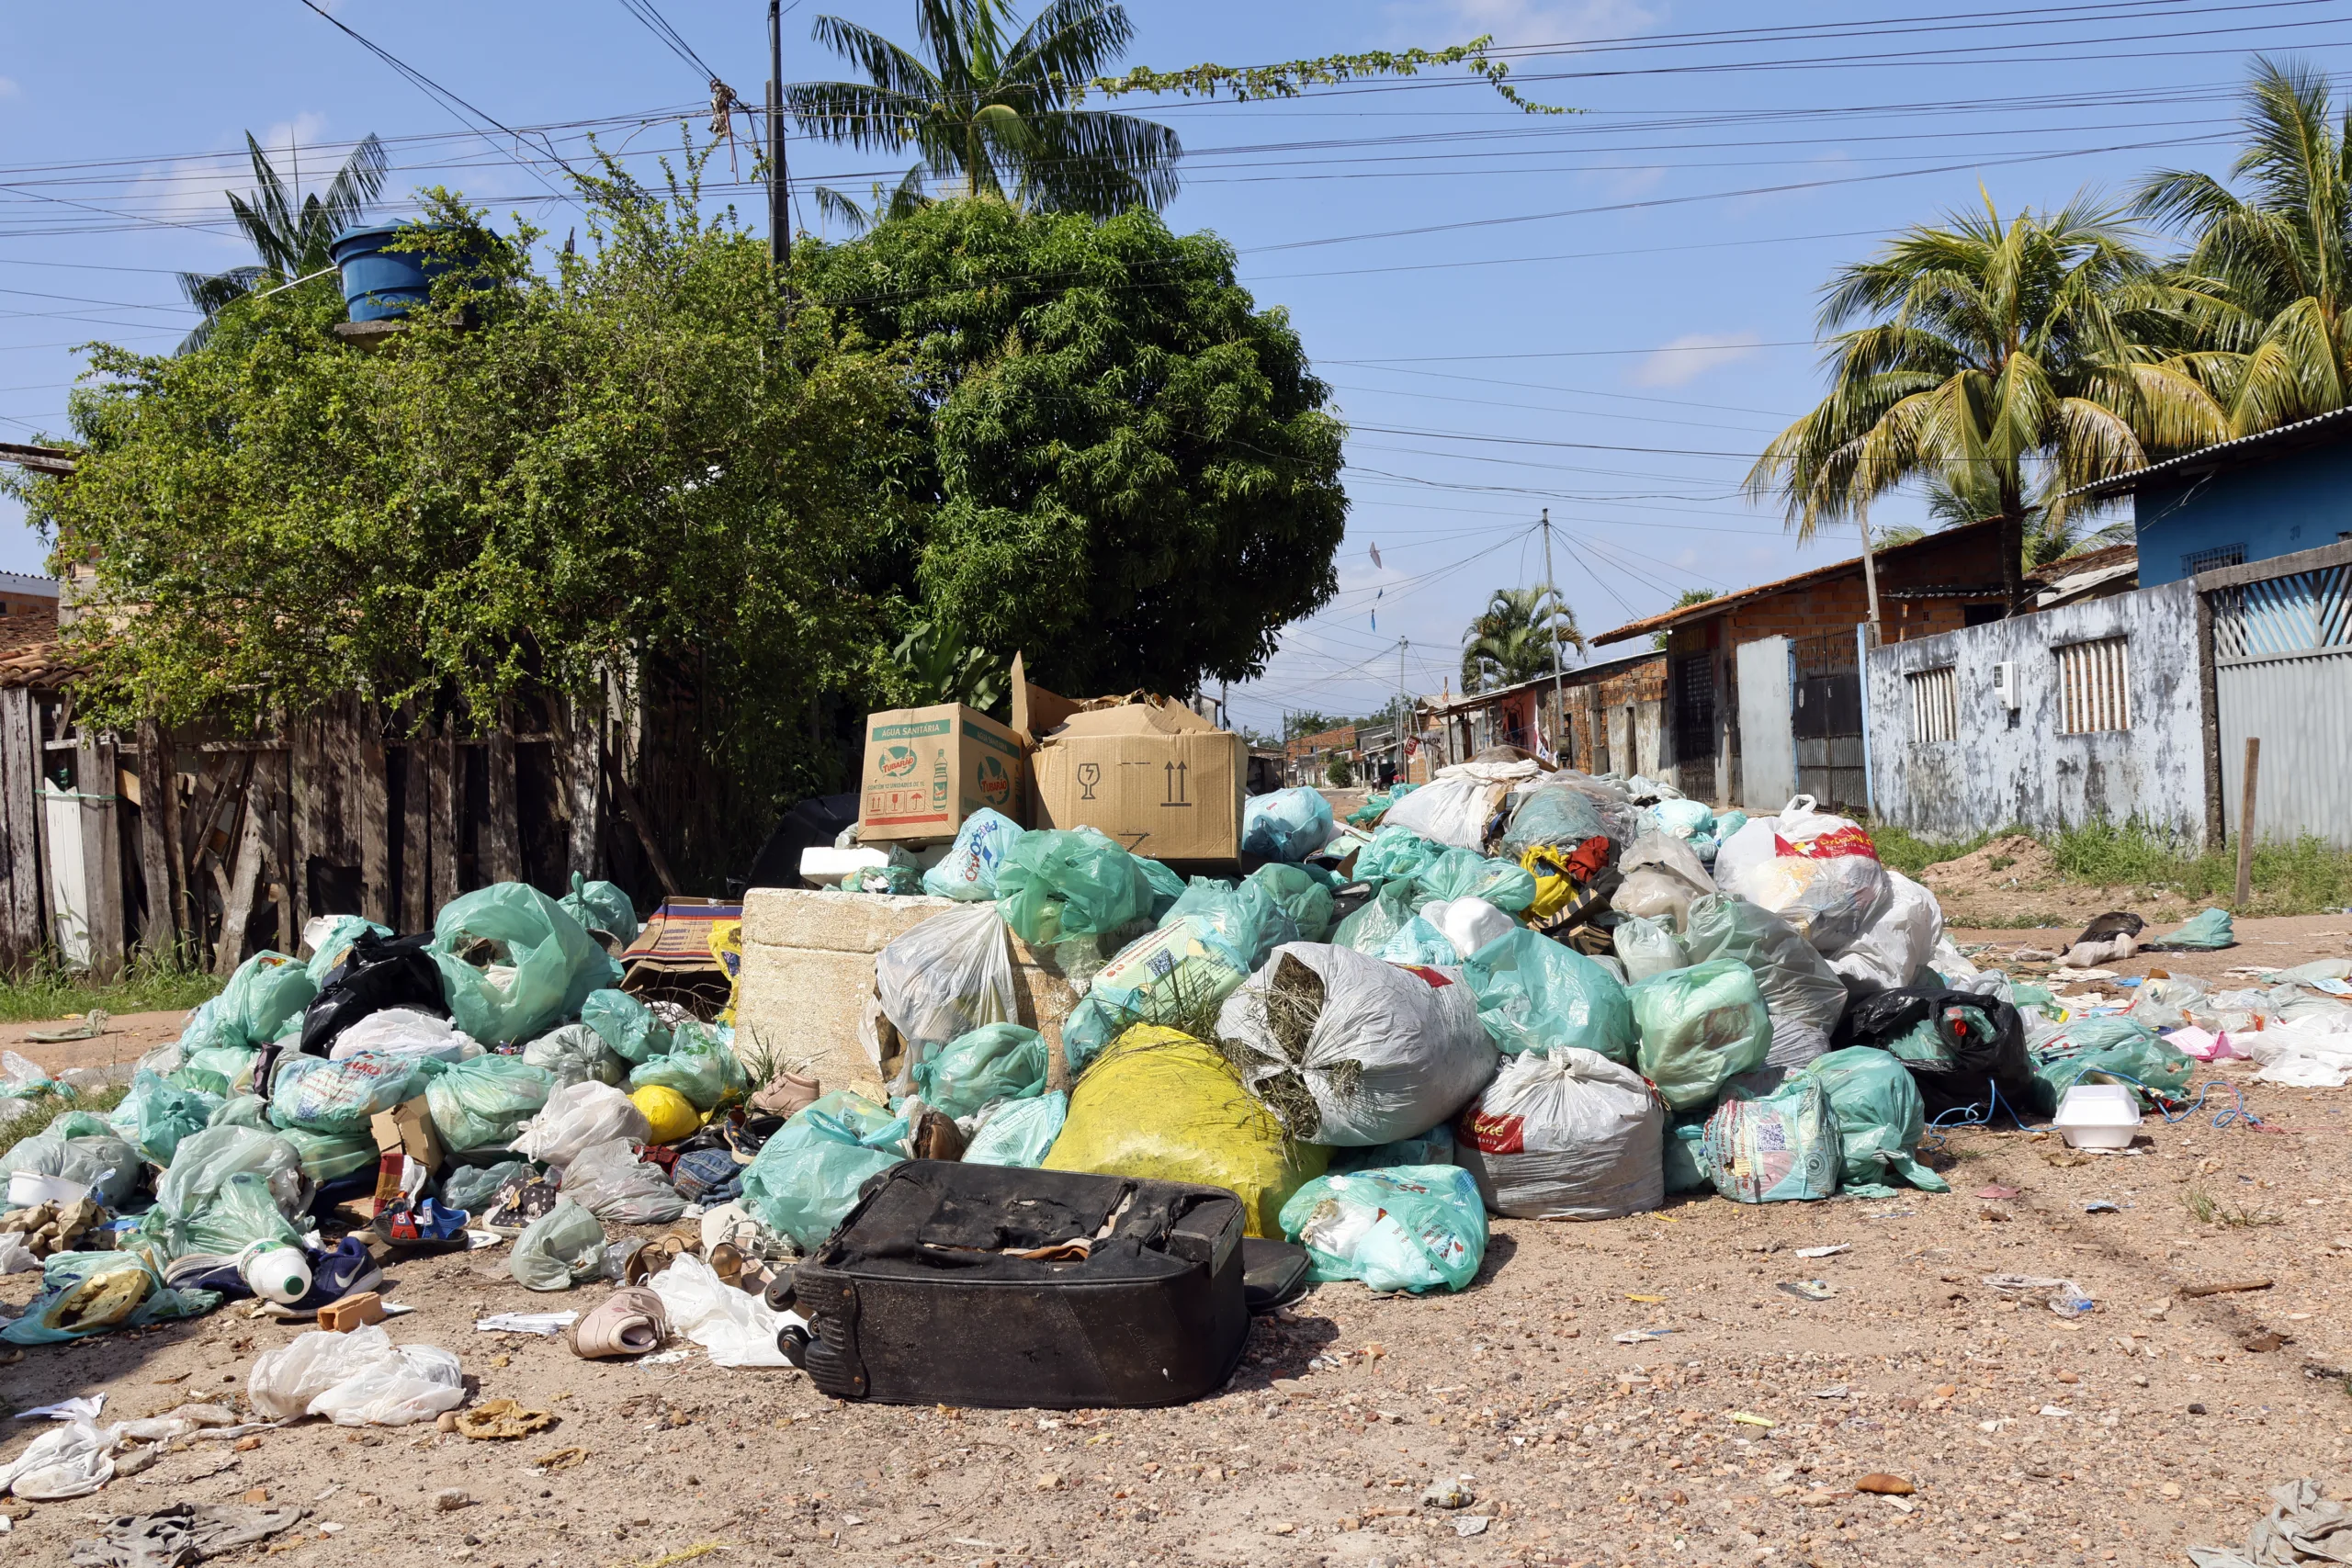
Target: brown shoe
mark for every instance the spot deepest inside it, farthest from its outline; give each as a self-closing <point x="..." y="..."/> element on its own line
<point x="788" y="1093"/>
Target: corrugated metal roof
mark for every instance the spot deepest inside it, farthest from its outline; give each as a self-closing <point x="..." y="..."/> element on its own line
<point x="2219" y="454"/>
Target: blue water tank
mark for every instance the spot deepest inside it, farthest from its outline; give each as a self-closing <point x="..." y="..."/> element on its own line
<point x="381" y="285"/>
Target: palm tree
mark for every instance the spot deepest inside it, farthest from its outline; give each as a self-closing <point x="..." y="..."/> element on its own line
<point x="1516" y="637"/>
<point x="991" y="114"/>
<point x="1993" y="352"/>
<point x="289" y="232"/>
<point x="2279" y="260"/>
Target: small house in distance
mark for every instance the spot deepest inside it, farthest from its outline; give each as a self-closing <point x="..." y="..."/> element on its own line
<point x="2277" y="493"/>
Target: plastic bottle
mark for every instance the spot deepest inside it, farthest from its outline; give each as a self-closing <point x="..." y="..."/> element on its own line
<point x="276" y="1272"/>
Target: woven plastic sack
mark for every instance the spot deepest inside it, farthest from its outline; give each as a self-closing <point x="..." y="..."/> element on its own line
<point x="1348" y="1050"/>
<point x="1646" y="948"/>
<point x="1161" y="1106"/>
<point x="269" y="991"/>
<point x="1571" y="1136"/>
<point x="1459" y="873"/>
<point x="807" y="1177"/>
<point x="579" y="1116"/>
<point x="559" y="1250"/>
<point x="967" y="871"/>
<point x="1880" y="1119"/>
<point x="1556" y="816"/>
<point x="1898" y="941"/>
<point x="2204" y="932"/>
<point x="484" y="1103"/>
<point x="156" y="1114"/>
<point x="1019" y="1132"/>
<point x="626" y="1024"/>
<point x="576" y="1053"/>
<point x="1469" y="924"/>
<point x="1535" y="993"/>
<point x="329" y="938"/>
<point x="1182" y="971"/>
<point x="1245" y="916"/>
<point x="948" y="976"/>
<point x="1781" y="1149"/>
<point x="1373" y="926"/>
<point x="1799" y="986"/>
<point x="1698" y="1027"/>
<point x="1056" y="884"/>
<point x="1662" y="876"/>
<point x="603" y="907"/>
<point x="996" y="1061"/>
<point x="1414" y="1228"/>
<point x="609" y="1181"/>
<point x="1287" y="825"/>
<point x="207" y="1160"/>
<point x="556" y="963"/>
<point x="2113" y="1050"/>
<point x="339" y="1097"/>
<point x="1304" y="895"/>
<point x="1394" y="854"/>
<point x="1420" y="944"/>
<point x="79" y="1146"/>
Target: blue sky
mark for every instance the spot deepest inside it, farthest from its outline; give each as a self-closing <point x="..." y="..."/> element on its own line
<point x="1604" y="314"/>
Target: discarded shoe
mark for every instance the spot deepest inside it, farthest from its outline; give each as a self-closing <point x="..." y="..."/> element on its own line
<point x="629" y="1321"/>
<point x="786" y="1093"/>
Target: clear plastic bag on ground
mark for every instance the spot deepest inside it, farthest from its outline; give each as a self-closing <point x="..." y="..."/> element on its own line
<point x="738" y="1330"/>
<point x="1287" y="825"/>
<point x="79" y="1146"/>
<point x="1056" y="884"/>
<point x="559" y="1250"/>
<point x="699" y="1065"/>
<point x="807" y="1177"/>
<point x="1784" y="1148"/>
<point x="967" y="871"/>
<point x="555" y="961"/>
<point x="626" y="1024"/>
<point x="1648" y="947"/>
<point x="1411" y="1228"/>
<point x="1896" y="944"/>
<point x="157" y="1114"/>
<point x="360" y="1379"/>
<point x="1459" y="874"/>
<point x="1571" y="1136"/>
<point x="1371" y="928"/>
<point x="471" y="1186"/>
<point x="1468" y="924"/>
<point x="1019" y="1132"/>
<point x="1394" y="854"/>
<point x="1880" y="1119"/>
<point x="1662" y="876"/>
<point x="1305" y="894"/>
<point x="579" y="1116"/>
<point x="484" y="1103"/>
<point x="996" y="1061"/>
<point x="576" y="1053"/>
<point x="1162" y="1106"/>
<point x="24" y="1079"/>
<point x="609" y="1181"/>
<point x="267" y="991"/>
<point x="947" y="976"/>
<point x="1536" y="995"/>
<point x="1698" y="1027"/>
<point x="2163" y="1004"/>
<point x="1348" y="1050"/>
<point x="1799" y="986"/>
<point x="70" y="1460"/>
<point x="339" y="1097"/>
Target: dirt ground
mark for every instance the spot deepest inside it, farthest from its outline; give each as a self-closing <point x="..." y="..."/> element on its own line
<point x="1734" y="1436"/>
<point x="2015" y="882"/>
<point x="128" y="1037"/>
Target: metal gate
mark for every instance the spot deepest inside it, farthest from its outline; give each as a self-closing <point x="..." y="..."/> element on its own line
<point x="2282" y="671"/>
<point x="1829" y="720"/>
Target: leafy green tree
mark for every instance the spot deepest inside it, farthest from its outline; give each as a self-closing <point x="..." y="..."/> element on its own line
<point x="1516" y="637"/>
<point x="290" y="233"/>
<point x="1121" y="467"/>
<point x="1688" y="597"/>
<point x="1340" y="773"/>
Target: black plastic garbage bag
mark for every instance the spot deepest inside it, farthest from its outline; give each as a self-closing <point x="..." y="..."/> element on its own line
<point x="1962" y="1048"/>
<point x="380" y="972"/>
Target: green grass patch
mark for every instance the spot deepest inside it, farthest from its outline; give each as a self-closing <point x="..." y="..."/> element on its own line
<point x="20" y="1119"/>
<point x="2298" y="878"/>
<point x="49" y="990"/>
<point x="1910" y="854"/>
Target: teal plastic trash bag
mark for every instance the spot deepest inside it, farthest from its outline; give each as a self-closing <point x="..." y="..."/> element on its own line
<point x="1433" y="1148"/>
<point x="1683" y="819"/>
<point x="1698" y="1027"/>
<point x="485" y="1102"/>
<point x="471" y="1186"/>
<point x="155" y="1115"/>
<point x="267" y="992"/>
<point x="1780" y="1149"/>
<point x="1535" y="993"/>
<point x="198" y="1080"/>
<point x="626" y="1024"/>
<point x="1464" y="873"/>
<point x="1418" y="941"/>
<point x="1414" y="1228"/>
<point x="2112" y="1050"/>
<point x="603" y="907"/>
<point x="1056" y="884"/>
<point x="329" y="1156"/>
<point x="1019" y="1132"/>
<point x="64" y="1310"/>
<point x="699" y="1065"/>
<point x="806" y="1178"/>
<point x="1371" y="928"/>
<point x="1798" y="984"/>
<point x="556" y="963"/>
<point x="320" y="1096"/>
<point x="1287" y="825"/>
<point x="1396" y="854"/>
<point x="79" y="1146"/>
<point x="996" y="1061"/>
<point x="560" y="1249"/>
<point x="1176" y="975"/>
<point x="207" y="1160"/>
<point x="245" y="1111"/>
<point x="241" y="1215"/>
<point x="329" y="938"/>
<point x="1648" y="948"/>
<point x="1557" y="817"/>
<point x="967" y="871"/>
<point x="1245" y="916"/>
<point x="1686" y="1159"/>
<point x="1305" y="894"/>
<point x="1166" y="886"/>
<point x="2204" y="932"/>
<point x="1880" y="1119"/>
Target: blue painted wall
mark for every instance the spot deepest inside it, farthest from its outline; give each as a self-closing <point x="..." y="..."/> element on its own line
<point x="2272" y="507"/>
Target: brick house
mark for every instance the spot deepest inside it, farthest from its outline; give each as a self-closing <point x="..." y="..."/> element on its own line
<point x="1614" y="711"/>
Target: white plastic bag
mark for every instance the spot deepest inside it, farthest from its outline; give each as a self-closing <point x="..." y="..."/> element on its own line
<point x="1567" y="1136"/>
<point x="947" y="976"/>
<point x="612" y="1183"/>
<point x="1897" y="941"/>
<point x="559" y="1250"/>
<point x="73" y="1459"/>
<point x="360" y="1379"/>
<point x="404" y="1032"/>
<point x="1456" y="807"/>
<point x="1662" y="876"/>
<point x="1468" y="923"/>
<point x="1648" y="948"/>
<point x="576" y="1053"/>
<point x="738" y="1330"/>
<point x="577" y="1118"/>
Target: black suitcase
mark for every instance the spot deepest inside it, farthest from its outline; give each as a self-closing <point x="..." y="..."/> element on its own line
<point x="921" y="1296"/>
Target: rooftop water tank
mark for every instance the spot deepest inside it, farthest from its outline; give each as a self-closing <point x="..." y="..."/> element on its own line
<point x="380" y="285"/>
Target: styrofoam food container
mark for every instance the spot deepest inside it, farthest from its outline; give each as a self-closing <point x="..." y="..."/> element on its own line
<point x="27" y="1187"/>
<point x="2099" y="1116"/>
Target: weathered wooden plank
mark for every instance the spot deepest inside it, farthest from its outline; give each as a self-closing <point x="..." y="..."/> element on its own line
<point x="374" y="793"/>
<point x="305" y="829"/>
<point x="416" y="838"/>
<point x="101" y="853"/>
<point x="22" y="926"/>
<point x="626" y="798"/>
<point x="441" y="784"/>
<point x="502" y="840"/>
<point x="237" y="904"/>
<point x="582" y="788"/>
<point x="158" y="785"/>
<point x="291" y="901"/>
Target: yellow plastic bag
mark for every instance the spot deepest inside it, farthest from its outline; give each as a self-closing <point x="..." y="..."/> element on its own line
<point x="1553" y="890"/>
<point x="673" y="1115"/>
<point x="727" y="947"/>
<point x="1161" y="1106"/>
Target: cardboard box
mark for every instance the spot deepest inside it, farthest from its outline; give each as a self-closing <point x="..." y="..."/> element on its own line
<point x="405" y="1131"/>
<point x="1150" y="773"/>
<point x="927" y="768"/>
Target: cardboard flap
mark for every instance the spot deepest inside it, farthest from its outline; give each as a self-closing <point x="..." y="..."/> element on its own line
<point x="1034" y="710"/>
<point x="1133" y="718"/>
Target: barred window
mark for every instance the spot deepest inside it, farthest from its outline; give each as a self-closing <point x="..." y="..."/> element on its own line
<point x="1935" y="705"/>
<point x="2093" y="687"/>
<point x="2211" y="559"/>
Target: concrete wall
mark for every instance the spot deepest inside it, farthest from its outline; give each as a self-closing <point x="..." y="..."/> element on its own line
<point x="2014" y="767"/>
<point x="2272" y="507"/>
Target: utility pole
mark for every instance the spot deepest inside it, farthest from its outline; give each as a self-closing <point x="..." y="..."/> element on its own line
<point x="1404" y="713"/>
<point x="779" y="201"/>
<point x="1559" y="703"/>
<point x="1870" y="579"/>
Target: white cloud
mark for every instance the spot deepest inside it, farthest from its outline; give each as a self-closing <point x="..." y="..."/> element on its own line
<point x="1691" y="355"/>
<point x="9" y="89"/>
<point x="190" y="190"/>
<point x="1539" y="21"/>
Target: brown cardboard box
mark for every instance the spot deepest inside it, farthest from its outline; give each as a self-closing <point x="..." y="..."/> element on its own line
<point x="927" y="768"/>
<point x="406" y="1129"/>
<point x="1151" y="773"/>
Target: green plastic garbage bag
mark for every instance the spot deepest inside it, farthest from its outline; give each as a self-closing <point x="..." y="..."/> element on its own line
<point x="471" y="1186"/>
<point x="1558" y="817"/>
<point x="1286" y="824"/>
<point x="806" y="1178"/>
<point x="240" y="1214"/>
<point x="2113" y="1050"/>
<point x="968" y="872"/>
<point x="206" y="1161"/>
<point x="1056" y="884"/>
<point x="79" y="1146"/>
<point x="1648" y="948"/>
<point x="1463" y="873"/>
<point x="234" y="1064"/>
<point x="1166" y="886"/>
<point x="1370" y="928"/>
<point x="329" y="938"/>
<point x="1247" y="917"/>
<point x="1415" y="1227"/>
<point x="1419" y="943"/>
<point x="1535" y="993"/>
<point x="483" y="1103"/>
<point x="2204" y="932"/>
<point x="155" y="1115"/>
<point x="602" y="906"/>
<point x="330" y="1156"/>
<point x="83" y="1293"/>
<point x="1396" y="854"/>
<point x="556" y="963"/>
<point x="320" y="1096"/>
<point x="1880" y="1119"/>
<point x="243" y="1111"/>
<point x="1304" y="895"/>
<point x="267" y="992"/>
<point x="627" y="1024"/>
<point x="1019" y="1132"/>
<point x="559" y="1250"/>
<point x="197" y="1080"/>
<point x="1435" y="1147"/>
<point x="699" y="1065"/>
<point x="577" y="1054"/>
<point x="1782" y="1148"/>
<point x="1698" y="1027"/>
<point x="1798" y="984"/>
<point x="1686" y="1158"/>
<point x="996" y="1061"/>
